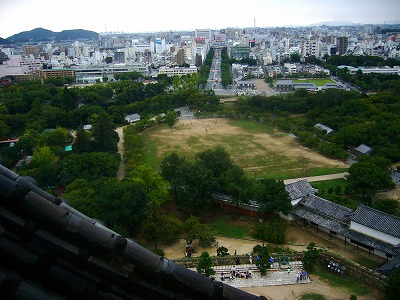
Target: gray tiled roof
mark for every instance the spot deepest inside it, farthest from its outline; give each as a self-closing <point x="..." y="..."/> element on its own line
<point x="327" y="208"/>
<point x="377" y="220"/>
<point x="390" y="266"/>
<point x="343" y="230"/>
<point x="323" y="221"/>
<point x="363" y="149"/>
<point x="300" y="189"/>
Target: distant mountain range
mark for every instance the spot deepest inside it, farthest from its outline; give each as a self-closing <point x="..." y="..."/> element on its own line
<point x="4" y="41"/>
<point x="334" y="23"/>
<point x="43" y="35"/>
<point x="348" y="23"/>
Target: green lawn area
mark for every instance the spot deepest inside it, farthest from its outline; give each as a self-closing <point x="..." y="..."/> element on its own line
<point x="318" y="82"/>
<point x="312" y="296"/>
<point x="223" y="226"/>
<point x="325" y="185"/>
<point x="353" y="286"/>
<point x="252" y="127"/>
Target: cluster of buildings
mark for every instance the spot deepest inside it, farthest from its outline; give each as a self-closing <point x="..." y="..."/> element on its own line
<point x="179" y="53"/>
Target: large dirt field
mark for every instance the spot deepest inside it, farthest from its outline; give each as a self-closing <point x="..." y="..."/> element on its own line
<point x="257" y="152"/>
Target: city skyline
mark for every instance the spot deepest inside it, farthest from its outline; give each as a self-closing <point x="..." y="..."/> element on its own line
<point x="159" y="15"/>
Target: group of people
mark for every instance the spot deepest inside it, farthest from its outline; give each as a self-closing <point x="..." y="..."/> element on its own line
<point x="234" y="273"/>
<point x="301" y="275"/>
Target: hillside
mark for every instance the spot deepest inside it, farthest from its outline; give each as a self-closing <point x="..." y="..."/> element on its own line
<point x="42" y="35"/>
<point x="4" y="41"/>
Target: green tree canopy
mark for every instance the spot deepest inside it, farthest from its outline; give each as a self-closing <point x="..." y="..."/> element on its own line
<point x="171" y="118"/>
<point x="159" y="226"/>
<point x="367" y="178"/>
<point x="204" y="266"/>
<point x="193" y="229"/>
<point x="271" y="195"/>
<point x="89" y="166"/>
<point x="105" y="136"/>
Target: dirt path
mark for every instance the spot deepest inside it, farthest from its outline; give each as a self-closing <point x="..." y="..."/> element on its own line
<point x="318" y="178"/>
<point x="120" y="145"/>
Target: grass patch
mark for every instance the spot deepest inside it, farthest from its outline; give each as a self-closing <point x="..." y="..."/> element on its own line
<point x="193" y="140"/>
<point x="312" y="296"/>
<point x="335" y="190"/>
<point x="350" y="284"/>
<point x="366" y="262"/>
<point x="252" y="127"/>
<point x="317" y="82"/>
<point x="223" y="226"/>
<point x="150" y="152"/>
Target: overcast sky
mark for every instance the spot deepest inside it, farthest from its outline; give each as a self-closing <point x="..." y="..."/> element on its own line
<point x="164" y="15"/>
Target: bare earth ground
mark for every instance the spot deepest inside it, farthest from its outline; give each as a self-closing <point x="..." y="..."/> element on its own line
<point x="120" y="145"/>
<point x="191" y="136"/>
<point x="297" y="239"/>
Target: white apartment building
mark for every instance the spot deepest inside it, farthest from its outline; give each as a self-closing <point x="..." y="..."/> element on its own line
<point x="177" y="71"/>
<point x="292" y="69"/>
<point x="18" y="65"/>
<point x="310" y="48"/>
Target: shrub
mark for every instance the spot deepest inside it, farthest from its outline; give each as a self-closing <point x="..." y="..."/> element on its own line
<point x="158" y="251"/>
<point x="222" y="251"/>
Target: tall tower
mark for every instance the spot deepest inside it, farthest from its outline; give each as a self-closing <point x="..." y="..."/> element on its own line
<point x="342" y="44"/>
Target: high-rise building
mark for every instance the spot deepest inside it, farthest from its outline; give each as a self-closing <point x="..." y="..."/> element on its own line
<point x="180" y="57"/>
<point x="342" y="44"/>
<point x="310" y="48"/>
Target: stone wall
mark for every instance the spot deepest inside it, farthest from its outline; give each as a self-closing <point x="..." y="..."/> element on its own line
<point x="355" y="270"/>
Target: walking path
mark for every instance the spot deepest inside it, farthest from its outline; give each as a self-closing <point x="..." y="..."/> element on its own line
<point x="273" y="277"/>
<point x="318" y="178"/>
<point x="120" y="145"/>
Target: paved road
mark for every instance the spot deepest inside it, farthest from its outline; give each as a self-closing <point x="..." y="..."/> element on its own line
<point x="318" y="178"/>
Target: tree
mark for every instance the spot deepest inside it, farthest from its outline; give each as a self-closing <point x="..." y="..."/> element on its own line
<point x="194" y="230"/>
<point x="311" y="256"/>
<point x="367" y="178"/>
<point x="272" y="233"/>
<point x="121" y="204"/>
<point x="237" y="185"/>
<point x="271" y="195"/>
<point x="392" y="287"/>
<point x="157" y="226"/>
<point x="171" y="118"/>
<point x="156" y="187"/>
<point x="195" y="186"/>
<point x="222" y="251"/>
<point x="204" y="266"/>
<point x="28" y="141"/>
<point x="262" y="258"/>
<point x="89" y="166"/>
<point x="389" y="206"/>
<point x="43" y="167"/>
<point x="216" y="159"/>
<point x="105" y="136"/>
<point x="4" y="130"/>
<point x="171" y="166"/>
<point x="83" y="141"/>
